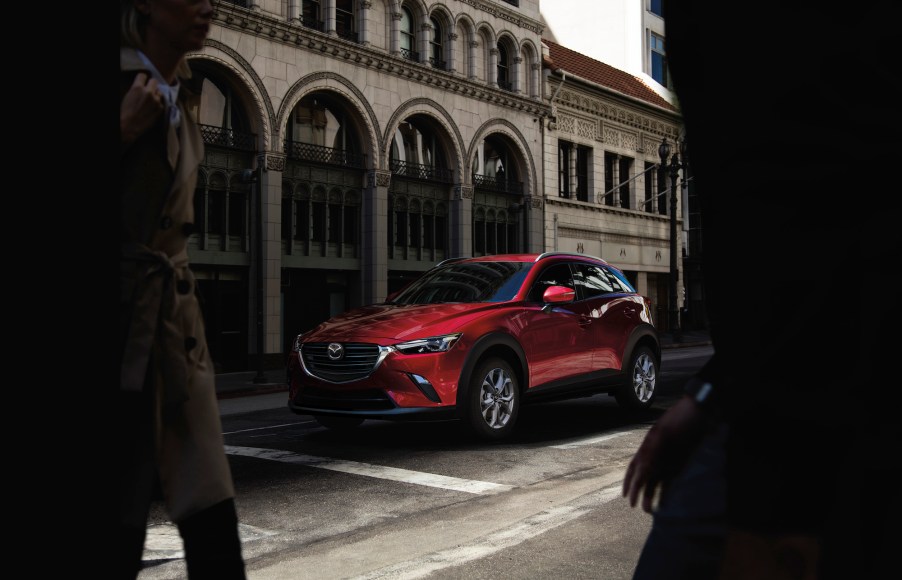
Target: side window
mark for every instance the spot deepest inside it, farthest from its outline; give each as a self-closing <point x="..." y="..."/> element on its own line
<point x="556" y="275"/>
<point x="621" y="284"/>
<point x="591" y="281"/>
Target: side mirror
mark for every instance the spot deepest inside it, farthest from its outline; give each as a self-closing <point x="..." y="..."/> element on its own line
<point x="558" y="294"/>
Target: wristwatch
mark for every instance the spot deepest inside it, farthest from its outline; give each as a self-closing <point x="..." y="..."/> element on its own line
<point x="700" y="390"/>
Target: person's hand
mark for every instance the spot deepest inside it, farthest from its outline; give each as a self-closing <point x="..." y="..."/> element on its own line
<point x="140" y="108"/>
<point x="664" y="451"/>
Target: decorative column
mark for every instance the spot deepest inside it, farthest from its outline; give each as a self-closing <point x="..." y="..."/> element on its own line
<point x="452" y="53"/>
<point x="294" y="10"/>
<point x="471" y="60"/>
<point x="365" y="24"/>
<point x="375" y="233"/>
<point x="270" y="192"/>
<point x="491" y="75"/>
<point x="329" y="17"/>
<point x="535" y="70"/>
<point x="395" y="40"/>
<point x="423" y="39"/>
<point x="518" y="62"/>
<point x="461" y="221"/>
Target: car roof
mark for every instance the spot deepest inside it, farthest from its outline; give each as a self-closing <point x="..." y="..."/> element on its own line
<point x="526" y="258"/>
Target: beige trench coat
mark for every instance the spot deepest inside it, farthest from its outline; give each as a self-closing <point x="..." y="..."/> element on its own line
<point x="161" y="325"/>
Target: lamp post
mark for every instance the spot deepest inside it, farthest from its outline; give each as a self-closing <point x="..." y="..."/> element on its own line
<point x="664" y="153"/>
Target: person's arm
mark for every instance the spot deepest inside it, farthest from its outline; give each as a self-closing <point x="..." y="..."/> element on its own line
<point x="671" y="440"/>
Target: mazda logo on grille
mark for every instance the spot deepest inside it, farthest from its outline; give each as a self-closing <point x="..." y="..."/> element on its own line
<point x="336" y="351"/>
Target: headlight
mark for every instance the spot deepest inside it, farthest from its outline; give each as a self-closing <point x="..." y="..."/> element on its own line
<point x="428" y="345"/>
<point x="297" y="342"/>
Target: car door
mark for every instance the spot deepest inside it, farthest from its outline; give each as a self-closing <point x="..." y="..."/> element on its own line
<point x="556" y="339"/>
<point x="612" y="310"/>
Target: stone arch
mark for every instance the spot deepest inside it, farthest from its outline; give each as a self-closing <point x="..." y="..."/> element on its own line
<point x="512" y="133"/>
<point x="365" y="118"/>
<point x="453" y="140"/>
<point x="221" y="59"/>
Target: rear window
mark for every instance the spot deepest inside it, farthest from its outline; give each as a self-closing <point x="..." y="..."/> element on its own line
<point x="466" y="282"/>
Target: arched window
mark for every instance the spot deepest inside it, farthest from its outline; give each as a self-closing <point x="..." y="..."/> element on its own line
<point x="320" y="130"/>
<point x="504" y="63"/>
<point x="436" y="45"/>
<point x="408" y="37"/>
<point x="416" y="152"/>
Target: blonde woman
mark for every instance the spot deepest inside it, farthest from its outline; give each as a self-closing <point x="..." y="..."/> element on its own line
<point x="169" y="418"/>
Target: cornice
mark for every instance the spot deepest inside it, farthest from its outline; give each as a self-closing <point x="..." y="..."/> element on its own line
<point x="507" y="15"/>
<point x="293" y="34"/>
<point x="625" y="116"/>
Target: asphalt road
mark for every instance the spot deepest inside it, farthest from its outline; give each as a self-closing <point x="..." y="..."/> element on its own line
<point x="416" y="500"/>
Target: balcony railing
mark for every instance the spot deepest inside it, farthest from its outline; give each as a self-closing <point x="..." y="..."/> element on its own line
<point x="228" y="138"/>
<point x="242" y="3"/>
<point x="418" y="171"/>
<point x="410" y="54"/>
<point x="438" y="63"/>
<point x="498" y="184"/>
<point x="328" y="155"/>
<point x="505" y="85"/>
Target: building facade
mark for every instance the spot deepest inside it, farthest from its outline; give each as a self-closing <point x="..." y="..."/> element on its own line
<point x="365" y="140"/>
<point x="352" y="144"/>
<point x="605" y="191"/>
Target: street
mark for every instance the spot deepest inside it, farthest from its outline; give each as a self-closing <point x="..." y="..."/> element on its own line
<point x="411" y="500"/>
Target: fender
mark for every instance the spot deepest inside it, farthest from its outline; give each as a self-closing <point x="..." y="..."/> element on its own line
<point x="479" y="348"/>
<point x="640" y="333"/>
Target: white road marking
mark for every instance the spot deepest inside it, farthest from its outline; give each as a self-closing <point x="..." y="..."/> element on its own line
<point x="268" y="427"/>
<point x="369" y="470"/>
<point x="163" y="541"/>
<point x="589" y="441"/>
<point x="498" y="541"/>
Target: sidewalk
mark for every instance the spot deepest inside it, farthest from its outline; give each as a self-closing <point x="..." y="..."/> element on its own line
<point x="242" y="384"/>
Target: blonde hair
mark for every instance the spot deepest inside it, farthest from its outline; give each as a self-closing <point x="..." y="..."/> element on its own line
<point x="131" y="33"/>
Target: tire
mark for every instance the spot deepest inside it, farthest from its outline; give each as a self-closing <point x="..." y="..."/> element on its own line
<point x="338" y="423"/>
<point x="638" y="392"/>
<point x="493" y="401"/>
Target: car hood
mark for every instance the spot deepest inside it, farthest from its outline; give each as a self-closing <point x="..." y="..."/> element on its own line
<point x="393" y="322"/>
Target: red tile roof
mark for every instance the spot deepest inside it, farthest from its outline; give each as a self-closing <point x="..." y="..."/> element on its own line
<point x="602" y="74"/>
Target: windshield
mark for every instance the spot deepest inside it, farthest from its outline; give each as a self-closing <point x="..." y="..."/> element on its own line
<point x="466" y="282"/>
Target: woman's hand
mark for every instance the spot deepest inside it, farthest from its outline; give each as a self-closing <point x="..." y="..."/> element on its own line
<point x="140" y="108"/>
<point x="664" y="451"/>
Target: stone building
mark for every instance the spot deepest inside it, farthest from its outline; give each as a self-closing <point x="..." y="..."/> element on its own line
<point x="366" y="140"/>
<point x="369" y="139"/>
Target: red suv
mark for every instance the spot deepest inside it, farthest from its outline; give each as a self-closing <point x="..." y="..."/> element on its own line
<point x="475" y="338"/>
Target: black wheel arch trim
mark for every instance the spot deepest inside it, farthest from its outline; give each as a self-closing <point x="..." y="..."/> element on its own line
<point x="482" y="345"/>
<point x="639" y="334"/>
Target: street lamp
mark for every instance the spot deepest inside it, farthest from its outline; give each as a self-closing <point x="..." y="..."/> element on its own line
<point x="664" y="153"/>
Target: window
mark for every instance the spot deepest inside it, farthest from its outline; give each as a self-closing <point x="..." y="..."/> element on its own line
<point x="504" y="80"/>
<point x="609" y="163"/>
<point x="656" y="7"/>
<point x="564" y="152"/>
<point x="591" y="281"/>
<point x="311" y="15"/>
<point x="436" y="47"/>
<point x="649" y="203"/>
<point x="556" y="275"/>
<point x="417" y="153"/>
<point x="408" y="39"/>
<point x="658" y="60"/>
<point x="582" y="173"/>
<point x="344" y="20"/>
<point x="626" y="165"/>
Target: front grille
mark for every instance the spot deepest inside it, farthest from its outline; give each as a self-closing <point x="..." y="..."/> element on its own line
<point x="362" y="400"/>
<point x="358" y="362"/>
